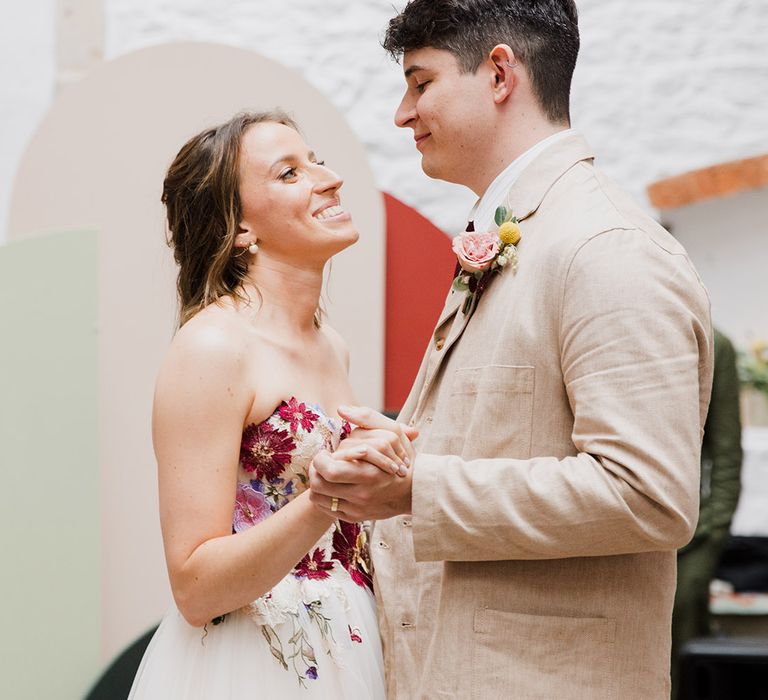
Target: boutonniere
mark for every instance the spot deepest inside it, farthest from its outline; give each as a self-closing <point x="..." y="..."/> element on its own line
<point x="482" y="255"/>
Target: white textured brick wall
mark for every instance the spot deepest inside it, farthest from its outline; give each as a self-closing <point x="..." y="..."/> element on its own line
<point x="27" y="76"/>
<point x="662" y="86"/>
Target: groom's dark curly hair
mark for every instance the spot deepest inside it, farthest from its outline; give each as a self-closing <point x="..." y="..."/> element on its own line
<point x="544" y="35"/>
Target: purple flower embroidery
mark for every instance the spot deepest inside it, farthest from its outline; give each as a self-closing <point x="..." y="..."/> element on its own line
<point x="250" y="508"/>
<point x="312" y="673"/>
<point x="276" y="492"/>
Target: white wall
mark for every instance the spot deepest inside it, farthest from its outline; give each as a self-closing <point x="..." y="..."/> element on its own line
<point x="727" y="239"/>
<point x="662" y="86"/>
<point x="27" y="76"/>
<point x="666" y="86"/>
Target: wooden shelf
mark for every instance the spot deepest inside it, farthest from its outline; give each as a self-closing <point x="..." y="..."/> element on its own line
<point x="708" y="183"/>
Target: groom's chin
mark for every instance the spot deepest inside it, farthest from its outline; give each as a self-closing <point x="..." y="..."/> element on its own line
<point x="431" y="168"/>
<point x="438" y="172"/>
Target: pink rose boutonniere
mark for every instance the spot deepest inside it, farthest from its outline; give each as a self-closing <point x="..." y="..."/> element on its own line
<point x="476" y="251"/>
<point x="482" y="254"/>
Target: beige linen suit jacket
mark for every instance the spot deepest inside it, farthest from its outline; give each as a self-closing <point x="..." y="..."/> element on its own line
<point x="558" y="460"/>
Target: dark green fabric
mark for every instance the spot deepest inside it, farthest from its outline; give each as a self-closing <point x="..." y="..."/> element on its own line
<point x="720" y="486"/>
<point x="721" y="448"/>
<point x="116" y="681"/>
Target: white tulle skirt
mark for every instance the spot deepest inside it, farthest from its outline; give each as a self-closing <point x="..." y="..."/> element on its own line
<point x="308" y="639"/>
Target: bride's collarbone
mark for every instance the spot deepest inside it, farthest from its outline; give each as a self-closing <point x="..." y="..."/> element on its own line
<point x="282" y="373"/>
<point x="313" y="353"/>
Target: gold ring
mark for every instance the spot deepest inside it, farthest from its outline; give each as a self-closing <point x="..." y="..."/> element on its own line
<point x="334" y="504"/>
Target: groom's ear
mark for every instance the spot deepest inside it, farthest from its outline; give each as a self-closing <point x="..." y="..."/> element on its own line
<point x="503" y="65"/>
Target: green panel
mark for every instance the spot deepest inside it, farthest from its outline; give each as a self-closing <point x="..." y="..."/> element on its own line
<point x="49" y="494"/>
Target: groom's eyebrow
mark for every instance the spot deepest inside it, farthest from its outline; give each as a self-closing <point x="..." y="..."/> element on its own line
<point x="412" y="70"/>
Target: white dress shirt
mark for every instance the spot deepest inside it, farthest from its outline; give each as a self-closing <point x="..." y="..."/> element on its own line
<point x="485" y="208"/>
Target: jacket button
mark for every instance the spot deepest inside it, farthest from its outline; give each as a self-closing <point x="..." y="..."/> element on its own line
<point x="439" y="343"/>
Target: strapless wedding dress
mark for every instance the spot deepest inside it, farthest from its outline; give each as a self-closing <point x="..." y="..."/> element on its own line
<point x="315" y="634"/>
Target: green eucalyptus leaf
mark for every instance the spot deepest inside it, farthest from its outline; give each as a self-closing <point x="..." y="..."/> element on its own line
<point x="500" y="216"/>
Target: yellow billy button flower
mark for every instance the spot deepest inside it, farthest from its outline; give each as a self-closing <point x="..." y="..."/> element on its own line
<point x="509" y="233"/>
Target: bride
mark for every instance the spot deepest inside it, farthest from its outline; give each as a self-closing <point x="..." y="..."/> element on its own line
<point x="273" y="596"/>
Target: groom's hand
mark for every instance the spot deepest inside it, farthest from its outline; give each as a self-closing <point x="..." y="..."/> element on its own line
<point x="367" y="422"/>
<point x="364" y="491"/>
<point x="383" y="442"/>
<point x="368" y="473"/>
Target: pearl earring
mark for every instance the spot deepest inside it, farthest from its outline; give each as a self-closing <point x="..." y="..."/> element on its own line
<point x="253" y="248"/>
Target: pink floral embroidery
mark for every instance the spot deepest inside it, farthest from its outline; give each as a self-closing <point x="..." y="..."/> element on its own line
<point x="297" y="414"/>
<point x="274" y="457"/>
<point x="314" y="567"/>
<point x="250" y="508"/>
<point x="265" y="451"/>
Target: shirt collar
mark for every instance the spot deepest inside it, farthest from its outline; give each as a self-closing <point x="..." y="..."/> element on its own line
<point x="483" y="212"/>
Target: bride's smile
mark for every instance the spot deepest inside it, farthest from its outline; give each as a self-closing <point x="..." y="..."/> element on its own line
<point x="290" y="199"/>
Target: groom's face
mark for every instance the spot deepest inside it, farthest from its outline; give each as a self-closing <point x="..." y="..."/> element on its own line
<point x="449" y="111"/>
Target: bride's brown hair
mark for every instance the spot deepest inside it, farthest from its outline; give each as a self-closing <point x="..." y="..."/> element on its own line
<point x="202" y="200"/>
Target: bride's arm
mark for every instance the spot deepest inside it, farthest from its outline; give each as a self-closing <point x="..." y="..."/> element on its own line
<point x="201" y="403"/>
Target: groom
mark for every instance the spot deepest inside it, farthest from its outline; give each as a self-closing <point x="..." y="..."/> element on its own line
<point x="530" y="551"/>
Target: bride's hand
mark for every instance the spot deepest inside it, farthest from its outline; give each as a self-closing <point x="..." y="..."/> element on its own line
<point x="379" y="440"/>
<point x="377" y="447"/>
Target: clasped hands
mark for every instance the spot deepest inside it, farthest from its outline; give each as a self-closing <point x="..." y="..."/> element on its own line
<point x="371" y="471"/>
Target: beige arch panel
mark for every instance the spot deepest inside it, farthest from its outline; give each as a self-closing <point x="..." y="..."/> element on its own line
<point x="98" y="161"/>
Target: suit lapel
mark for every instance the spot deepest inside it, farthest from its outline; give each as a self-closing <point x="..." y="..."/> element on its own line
<point x="427" y="369"/>
<point x="523" y="199"/>
<point x="528" y="191"/>
<point x="449" y="329"/>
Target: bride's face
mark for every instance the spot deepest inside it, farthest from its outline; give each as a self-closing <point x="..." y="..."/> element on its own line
<point x="290" y="201"/>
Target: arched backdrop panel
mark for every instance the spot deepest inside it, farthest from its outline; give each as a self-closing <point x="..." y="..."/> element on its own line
<point x="98" y="161"/>
<point x="420" y="267"/>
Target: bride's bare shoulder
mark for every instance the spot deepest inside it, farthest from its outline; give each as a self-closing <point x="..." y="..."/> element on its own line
<point x="214" y="341"/>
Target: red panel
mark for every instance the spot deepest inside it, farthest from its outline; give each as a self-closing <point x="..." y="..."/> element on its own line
<point x="420" y="266"/>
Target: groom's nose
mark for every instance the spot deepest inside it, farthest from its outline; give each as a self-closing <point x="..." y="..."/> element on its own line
<point x="406" y="112"/>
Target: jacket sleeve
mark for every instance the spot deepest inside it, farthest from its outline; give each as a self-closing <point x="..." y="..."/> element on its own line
<point x="636" y="361"/>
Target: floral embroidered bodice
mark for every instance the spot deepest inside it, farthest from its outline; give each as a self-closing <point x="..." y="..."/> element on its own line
<point x="275" y="456"/>
<point x="274" y="463"/>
